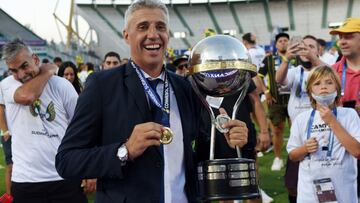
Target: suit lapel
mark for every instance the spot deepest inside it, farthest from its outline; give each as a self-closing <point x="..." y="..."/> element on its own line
<point x="136" y="91"/>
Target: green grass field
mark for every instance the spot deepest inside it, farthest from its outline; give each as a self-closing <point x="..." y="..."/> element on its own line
<point x="271" y="182"/>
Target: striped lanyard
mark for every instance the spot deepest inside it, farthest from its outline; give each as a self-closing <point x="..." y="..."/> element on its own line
<point x="153" y="96"/>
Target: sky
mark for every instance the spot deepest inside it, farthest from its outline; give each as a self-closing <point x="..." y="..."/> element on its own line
<point x="38" y="14"/>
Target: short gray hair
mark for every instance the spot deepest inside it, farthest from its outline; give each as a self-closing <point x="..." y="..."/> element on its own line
<point x="12" y="48"/>
<point x="140" y="4"/>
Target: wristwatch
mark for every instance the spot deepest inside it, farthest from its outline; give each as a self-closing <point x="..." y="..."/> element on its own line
<point x="122" y="154"/>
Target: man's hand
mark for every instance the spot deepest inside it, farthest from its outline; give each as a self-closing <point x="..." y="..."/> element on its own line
<point x="89" y="185"/>
<point x="264" y="140"/>
<point x="292" y="51"/>
<point x="311" y="145"/>
<point x="143" y="136"/>
<point x="238" y="133"/>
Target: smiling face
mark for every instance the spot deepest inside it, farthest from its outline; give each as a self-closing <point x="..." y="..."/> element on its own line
<point x="147" y="34"/>
<point x="24" y="66"/>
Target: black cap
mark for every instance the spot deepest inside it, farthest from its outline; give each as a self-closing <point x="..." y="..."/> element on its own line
<point x="179" y="59"/>
<point x="281" y="34"/>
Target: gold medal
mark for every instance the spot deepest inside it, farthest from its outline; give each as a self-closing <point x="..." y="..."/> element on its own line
<point x="167" y="136"/>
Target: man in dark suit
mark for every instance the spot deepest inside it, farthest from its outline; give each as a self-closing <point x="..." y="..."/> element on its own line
<point x="120" y="118"/>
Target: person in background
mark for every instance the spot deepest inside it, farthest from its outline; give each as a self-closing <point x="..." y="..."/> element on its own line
<point x="326" y="140"/>
<point x="324" y="55"/>
<point x="57" y="61"/>
<point x="181" y="64"/>
<point x="68" y="70"/>
<point x="256" y="52"/>
<point x="111" y="60"/>
<point x="257" y="55"/>
<point x="45" y="60"/>
<point x="39" y="107"/>
<point x="276" y="97"/>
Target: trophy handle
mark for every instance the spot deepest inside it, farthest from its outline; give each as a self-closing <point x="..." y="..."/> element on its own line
<point x="237" y="104"/>
<point x="212" y="116"/>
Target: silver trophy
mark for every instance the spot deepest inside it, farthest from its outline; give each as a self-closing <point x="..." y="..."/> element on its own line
<point x="219" y="66"/>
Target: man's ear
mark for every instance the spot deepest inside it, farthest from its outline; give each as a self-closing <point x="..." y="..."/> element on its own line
<point x="36" y="59"/>
<point x="126" y="36"/>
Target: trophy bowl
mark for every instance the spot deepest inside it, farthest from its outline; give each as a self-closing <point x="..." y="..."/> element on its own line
<point x="220" y="66"/>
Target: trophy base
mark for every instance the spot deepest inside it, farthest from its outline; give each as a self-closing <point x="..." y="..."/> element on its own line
<point x="227" y="179"/>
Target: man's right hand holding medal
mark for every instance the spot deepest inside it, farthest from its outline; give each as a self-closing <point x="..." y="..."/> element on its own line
<point x="143" y="136"/>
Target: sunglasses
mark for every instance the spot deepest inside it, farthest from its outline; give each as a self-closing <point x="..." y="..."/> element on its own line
<point x="182" y="66"/>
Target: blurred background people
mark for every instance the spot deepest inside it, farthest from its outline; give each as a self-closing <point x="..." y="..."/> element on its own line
<point x="111" y="60"/>
<point x="181" y="64"/>
<point x="68" y="70"/>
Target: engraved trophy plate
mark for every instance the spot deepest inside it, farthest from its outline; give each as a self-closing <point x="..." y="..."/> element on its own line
<point x="216" y="168"/>
<point x="237" y="175"/>
<point x="239" y="183"/>
<point x="216" y="176"/>
<point x="238" y="167"/>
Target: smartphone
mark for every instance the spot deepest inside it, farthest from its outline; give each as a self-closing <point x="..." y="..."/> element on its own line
<point x="297" y="39"/>
<point x="349" y="104"/>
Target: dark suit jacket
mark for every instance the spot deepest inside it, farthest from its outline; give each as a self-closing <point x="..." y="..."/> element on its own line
<point x="112" y="103"/>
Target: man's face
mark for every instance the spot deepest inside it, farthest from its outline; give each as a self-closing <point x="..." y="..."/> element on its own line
<point x="313" y="48"/>
<point x="281" y="44"/>
<point x="111" y="62"/>
<point x="147" y="34"/>
<point x="349" y="44"/>
<point x="24" y="66"/>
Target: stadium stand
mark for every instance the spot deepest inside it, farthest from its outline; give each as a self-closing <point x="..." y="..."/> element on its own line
<point x="301" y="17"/>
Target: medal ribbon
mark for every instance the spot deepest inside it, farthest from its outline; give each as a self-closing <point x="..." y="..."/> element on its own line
<point x="331" y="135"/>
<point x="153" y="96"/>
<point x="301" y="81"/>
